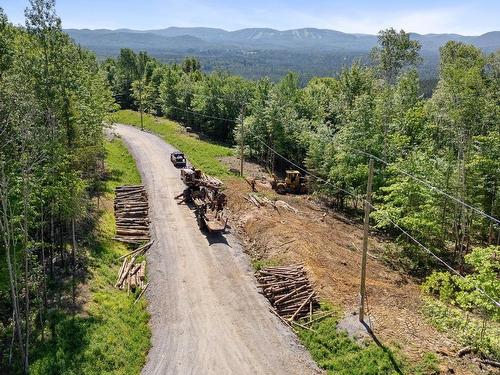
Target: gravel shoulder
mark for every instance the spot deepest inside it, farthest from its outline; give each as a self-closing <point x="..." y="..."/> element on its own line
<point x="207" y="316"/>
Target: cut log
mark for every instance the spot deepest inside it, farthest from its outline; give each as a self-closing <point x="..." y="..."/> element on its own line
<point x="142" y="271"/>
<point x="142" y="292"/>
<point x="301" y="306"/>
<point x="140" y="249"/>
<point x="125" y="272"/>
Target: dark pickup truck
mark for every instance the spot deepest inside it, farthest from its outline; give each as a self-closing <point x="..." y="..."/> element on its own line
<point x="178" y="159"/>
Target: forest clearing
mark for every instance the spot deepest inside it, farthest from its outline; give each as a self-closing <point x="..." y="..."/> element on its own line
<point x="304" y="230"/>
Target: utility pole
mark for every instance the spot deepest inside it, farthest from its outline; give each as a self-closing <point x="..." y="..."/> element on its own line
<point x="140" y="95"/>
<point x="366" y="227"/>
<point x="242" y="141"/>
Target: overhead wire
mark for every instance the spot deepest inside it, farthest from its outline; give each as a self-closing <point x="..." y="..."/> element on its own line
<point x="234" y="100"/>
<point x="416" y="241"/>
<point x="430" y="186"/>
<point x="418" y="179"/>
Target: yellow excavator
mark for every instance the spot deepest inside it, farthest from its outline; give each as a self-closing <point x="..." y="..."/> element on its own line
<point x="293" y="183"/>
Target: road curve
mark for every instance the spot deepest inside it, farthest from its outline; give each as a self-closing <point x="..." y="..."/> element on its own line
<point x="207" y="316"/>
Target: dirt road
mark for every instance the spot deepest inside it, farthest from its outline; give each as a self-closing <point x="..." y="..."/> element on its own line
<point x="206" y="314"/>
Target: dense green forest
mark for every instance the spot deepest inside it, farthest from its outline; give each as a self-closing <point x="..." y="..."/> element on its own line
<point x="449" y="143"/>
<point x="53" y="100"/>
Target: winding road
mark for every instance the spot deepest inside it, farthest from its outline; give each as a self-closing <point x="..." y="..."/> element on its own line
<point x="207" y="316"/>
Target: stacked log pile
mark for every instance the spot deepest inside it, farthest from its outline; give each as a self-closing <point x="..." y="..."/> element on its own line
<point x="210" y="181"/>
<point x="289" y="291"/>
<point x="132" y="274"/>
<point x="131" y="213"/>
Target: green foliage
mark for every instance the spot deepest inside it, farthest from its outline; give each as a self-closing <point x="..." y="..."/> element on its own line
<point x="396" y="51"/>
<point x="464" y="320"/>
<point x="335" y="352"/>
<point x="465" y="328"/>
<point x="112" y="335"/>
<point x="201" y="154"/>
<point x="465" y="292"/>
<point x="54" y="103"/>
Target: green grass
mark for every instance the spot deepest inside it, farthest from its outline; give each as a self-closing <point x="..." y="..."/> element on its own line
<point x="202" y="154"/>
<point x="335" y="352"/>
<point x="258" y="264"/>
<point x="121" y="165"/>
<point x="111" y="334"/>
<point x="466" y="328"/>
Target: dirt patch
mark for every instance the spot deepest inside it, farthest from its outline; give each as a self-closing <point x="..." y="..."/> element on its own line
<point x="329" y="247"/>
<point x="251" y="170"/>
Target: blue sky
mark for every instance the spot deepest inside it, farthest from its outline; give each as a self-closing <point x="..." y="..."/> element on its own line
<point x="424" y="16"/>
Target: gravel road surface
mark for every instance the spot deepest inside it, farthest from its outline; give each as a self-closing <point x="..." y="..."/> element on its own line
<point x="207" y="316"/>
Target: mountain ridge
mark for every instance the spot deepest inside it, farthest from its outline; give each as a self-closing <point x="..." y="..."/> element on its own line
<point x="256" y="52"/>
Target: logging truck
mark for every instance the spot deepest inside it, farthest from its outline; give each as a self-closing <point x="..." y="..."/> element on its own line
<point x="209" y="219"/>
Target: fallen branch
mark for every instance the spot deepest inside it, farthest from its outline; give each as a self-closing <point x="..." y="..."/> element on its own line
<point x="142" y="248"/>
<point x="490" y="362"/>
<point x="141" y="293"/>
<point x="464" y="351"/>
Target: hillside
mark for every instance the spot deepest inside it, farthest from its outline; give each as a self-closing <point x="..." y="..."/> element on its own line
<point x="256" y="52"/>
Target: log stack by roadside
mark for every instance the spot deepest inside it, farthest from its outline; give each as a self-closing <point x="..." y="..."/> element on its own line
<point x="131" y="213"/>
<point x="289" y="291"/>
<point x="132" y="273"/>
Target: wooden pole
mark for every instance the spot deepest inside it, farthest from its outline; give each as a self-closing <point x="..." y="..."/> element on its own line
<point x="366" y="227"/>
<point x="242" y="142"/>
<point x="141" y="107"/>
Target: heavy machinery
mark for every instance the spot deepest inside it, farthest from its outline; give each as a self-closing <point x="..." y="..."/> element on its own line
<point x="190" y="176"/>
<point x="210" y="215"/>
<point x="204" y="193"/>
<point x="293" y="183"/>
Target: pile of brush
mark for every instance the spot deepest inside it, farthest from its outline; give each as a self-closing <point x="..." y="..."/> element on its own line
<point x="289" y="291"/>
<point x="131" y="214"/>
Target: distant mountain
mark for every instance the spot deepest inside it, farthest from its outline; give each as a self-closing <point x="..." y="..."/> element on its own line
<point x="254" y="52"/>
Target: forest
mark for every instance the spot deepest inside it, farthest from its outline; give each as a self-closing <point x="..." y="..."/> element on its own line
<point x="437" y="158"/>
<point x="436" y="180"/>
<point x="53" y="101"/>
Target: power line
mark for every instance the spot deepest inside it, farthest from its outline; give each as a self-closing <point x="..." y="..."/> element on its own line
<point x="203" y="115"/>
<point x="420" y="180"/>
<point x="443" y="262"/>
<point x="440" y="260"/>
<point x="214" y="97"/>
<point x="435" y="256"/>
<point x="430" y="186"/>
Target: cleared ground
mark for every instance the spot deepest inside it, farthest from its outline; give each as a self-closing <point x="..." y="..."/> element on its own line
<point x="329" y="244"/>
<point x="207" y="316"/>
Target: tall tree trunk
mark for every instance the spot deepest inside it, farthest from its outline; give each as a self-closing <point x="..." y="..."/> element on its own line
<point x="26" y="272"/>
<point x="73" y="261"/>
<point x="52" y="242"/>
<point x="8" y="243"/>
<point x="44" y="275"/>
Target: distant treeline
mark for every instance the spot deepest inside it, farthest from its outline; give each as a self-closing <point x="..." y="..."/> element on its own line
<point x="275" y="64"/>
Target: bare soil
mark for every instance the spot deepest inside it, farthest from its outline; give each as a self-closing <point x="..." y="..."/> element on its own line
<point x="328" y="245"/>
